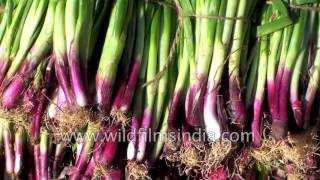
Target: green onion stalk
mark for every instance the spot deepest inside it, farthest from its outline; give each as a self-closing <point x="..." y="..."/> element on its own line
<point x="150" y="95"/>
<point x="78" y="27"/>
<point x="244" y="55"/>
<point x="105" y="153"/>
<point x="296" y="104"/>
<point x="20" y="140"/>
<point x="280" y="125"/>
<point x="312" y="85"/>
<point x="7" y="43"/>
<point x="83" y="160"/>
<point x="39" y="51"/>
<point x="252" y="78"/>
<point x="176" y="106"/>
<point x="35" y="103"/>
<point x="16" y="41"/>
<point x="279" y="39"/>
<point x="199" y="69"/>
<point x="236" y="104"/>
<point x="273" y="89"/>
<point x="44" y="154"/>
<point x="261" y="81"/>
<point x="99" y="17"/>
<point x="159" y="144"/>
<point x="34" y="98"/>
<point x="84" y="32"/>
<point x="41" y="150"/>
<point x="111" y="54"/>
<point x="138" y="100"/>
<point x="60" y="52"/>
<point x="157" y="149"/>
<point x="100" y="12"/>
<point x="221" y="45"/>
<point x="273" y="62"/>
<point x="166" y="30"/>
<point x="120" y="105"/>
<point x="134" y="168"/>
<point x="69" y="115"/>
<point x="62" y="112"/>
<point x="7" y="144"/>
<point x="299" y="68"/>
<point x="97" y="156"/>
<point x="59" y="154"/>
<point x="116" y="32"/>
<point x="7" y="18"/>
<point x="138" y="50"/>
<point x="32" y="26"/>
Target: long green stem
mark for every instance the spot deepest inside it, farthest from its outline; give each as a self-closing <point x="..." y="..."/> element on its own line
<point x="203" y="55"/>
<point x="19" y="28"/>
<point x="29" y="34"/>
<point x="150" y="95"/>
<point x="313" y="84"/>
<point x="216" y="69"/>
<point x="237" y="107"/>
<point x="295" y="44"/>
<point x="83" y="35"/>
<point x="98" y="22"/>
<point x="188" y="34"/>
<point x="261" y="81"/>
<point x="274" y="92"/>
<point x="7" y="18"/>
<point x="38" y="53"/>
<point x="112" y="51"/>
<point x="280" y="126"/>
<point x="79" y="22"/>
<point x="273" y="61"/>
<point x="252" y="78"/>
<point x="139" y="100"/>
<point x="300" y="67"/>
<point x="164" y="46"/>
<point x="60" y="51"/>
<point x="12" y="34"/>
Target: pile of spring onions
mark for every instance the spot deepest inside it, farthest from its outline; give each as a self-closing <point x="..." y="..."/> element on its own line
<point x="159" y="89"/>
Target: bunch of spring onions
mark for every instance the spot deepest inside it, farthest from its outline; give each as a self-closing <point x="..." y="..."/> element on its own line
<point x="160" y="89"/>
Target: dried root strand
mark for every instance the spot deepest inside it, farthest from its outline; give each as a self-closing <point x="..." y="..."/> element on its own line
<point x="295" y="150"/>
<point x="137" y="171"/>
<point x="18" y="117"/>
<point x="171" y="151"/>
<point x="5" y="114"/>
<point x="243" y="163"/>
<point x="191" y="158"/>
<point x="218" y="152"/>
<point x="303" y="146"/>
<point x="118" y="116"/>
<point x="99" y="171"/>
<point x="269" y="153"/>
<point x="296" y="175"/>
<point x="68" y="122"/>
